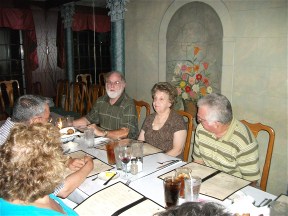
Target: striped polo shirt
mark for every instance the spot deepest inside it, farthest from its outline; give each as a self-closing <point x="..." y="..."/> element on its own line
<point x="235" y="153"/>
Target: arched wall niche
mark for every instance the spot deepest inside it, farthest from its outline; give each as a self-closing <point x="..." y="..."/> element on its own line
<point x="216" y="10"/>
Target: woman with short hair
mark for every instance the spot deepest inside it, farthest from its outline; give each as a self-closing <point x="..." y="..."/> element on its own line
<point x="164" y="129"/>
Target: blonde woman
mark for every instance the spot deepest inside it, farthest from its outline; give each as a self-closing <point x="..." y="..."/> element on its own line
<point x="32" y="165"/>
<point x="164" y="129"/>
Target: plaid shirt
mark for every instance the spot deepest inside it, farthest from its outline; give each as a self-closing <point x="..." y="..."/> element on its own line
<point x="113" y="117"/>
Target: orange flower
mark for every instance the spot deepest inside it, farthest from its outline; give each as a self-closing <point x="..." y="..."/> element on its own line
<point x="196" y="50"/>
<point x="203" y="91"/>
<point x="188" y="69"/>
<point x="196" y="67"/>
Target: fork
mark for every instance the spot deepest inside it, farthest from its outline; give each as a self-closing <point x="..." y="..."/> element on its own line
<point x="166" y="161"/>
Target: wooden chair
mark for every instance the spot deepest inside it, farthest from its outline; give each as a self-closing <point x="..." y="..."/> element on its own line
<point x="86" y="78"/>
<point x="61" y="92"/>
<point x="77" y="93"/>
<point x="101" y="79"/>
<point x="91" y="96"/>
<point x="12" y="90"/>
<point x="139" y="105"/>
<point x="3" y="114"/>
<point x="189" y="133"/>
<point x="255" y="129"/>
<point x="102" y="90"/>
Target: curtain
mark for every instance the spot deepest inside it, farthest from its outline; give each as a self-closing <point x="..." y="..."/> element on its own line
<point x="82" y="20"/>
<point x="22" y="19"/>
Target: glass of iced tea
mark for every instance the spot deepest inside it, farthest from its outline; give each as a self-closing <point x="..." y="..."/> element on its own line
<point x="181" y="174"/>
<point x="171" y="191"/>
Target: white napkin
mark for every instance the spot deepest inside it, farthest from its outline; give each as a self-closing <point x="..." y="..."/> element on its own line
<point x="242" y="203"/>
<point x="69" y="146"/>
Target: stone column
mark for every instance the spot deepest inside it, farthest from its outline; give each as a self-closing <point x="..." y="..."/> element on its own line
<point x="117" y="9"/>
<point x="67" y="12"/>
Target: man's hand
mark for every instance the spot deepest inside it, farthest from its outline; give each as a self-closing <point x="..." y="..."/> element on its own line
<point x="75" y="164"/>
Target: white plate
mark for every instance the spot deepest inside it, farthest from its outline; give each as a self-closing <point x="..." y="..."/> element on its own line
<point x="68" y="137"/>
<point x="64" y="132"/>
<point x="101" y="140"/>
<point x="105" y="177"/>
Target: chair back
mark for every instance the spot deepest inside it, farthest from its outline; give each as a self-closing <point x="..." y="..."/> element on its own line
<point x="255" y="129"/>
<point x="101" y="79"/>
<point x="86" y="78"/>
<point x="189" y="121"/>
<point x="12" y="90"/>
<point x="77" y="93"/>
<point x="62" y="94"/>
<point x="139" y="105"/>
<point x="91" y="96"/>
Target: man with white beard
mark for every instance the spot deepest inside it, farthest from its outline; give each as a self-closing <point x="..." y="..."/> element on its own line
<point x="113" y="115"/>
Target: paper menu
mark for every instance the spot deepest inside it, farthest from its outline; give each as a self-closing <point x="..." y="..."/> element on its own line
<point x="197" y="170"/>
<point x="222" y="185"/>
<point x="149" y="149"/>
<point x="99" y="166"/>
<point x="79" y="154"/>
<point x="115" y="198"/>
<point x="215" y="183"/>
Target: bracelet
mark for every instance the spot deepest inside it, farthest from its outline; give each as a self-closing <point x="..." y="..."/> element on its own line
<point x="105" y="133"/>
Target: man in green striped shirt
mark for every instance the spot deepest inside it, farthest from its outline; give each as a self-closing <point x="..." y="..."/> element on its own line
<point x="223" y="142"/>
<point x="113" y="115"/>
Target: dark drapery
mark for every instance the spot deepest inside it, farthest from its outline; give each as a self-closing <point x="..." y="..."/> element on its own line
<point x="22" y="19"/>
<point x="82" y="20"/>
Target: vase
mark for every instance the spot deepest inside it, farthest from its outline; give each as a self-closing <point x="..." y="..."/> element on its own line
<point x="190" y="107"/>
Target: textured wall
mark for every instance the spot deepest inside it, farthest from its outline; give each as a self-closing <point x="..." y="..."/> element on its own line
<point x="254" y="67"/>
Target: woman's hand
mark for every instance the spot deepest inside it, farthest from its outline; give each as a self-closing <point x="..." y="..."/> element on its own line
<point x="75" y="164"/>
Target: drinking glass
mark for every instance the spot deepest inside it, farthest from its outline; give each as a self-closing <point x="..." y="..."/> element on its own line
<point x="125" y="156"/>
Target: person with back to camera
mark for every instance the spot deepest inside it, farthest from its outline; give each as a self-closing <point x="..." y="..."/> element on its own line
<point x="114" y="113"/>
<point x="32" y="165"/>
<point x="165" y="128"/>
<point x="30" y="109"/>
<point x="223" y="142"/>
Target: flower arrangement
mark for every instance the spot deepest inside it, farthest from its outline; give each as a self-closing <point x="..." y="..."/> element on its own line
<point x="192" y="78"/>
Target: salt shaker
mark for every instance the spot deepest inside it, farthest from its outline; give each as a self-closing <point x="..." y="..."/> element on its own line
<point x="134" y="167"/>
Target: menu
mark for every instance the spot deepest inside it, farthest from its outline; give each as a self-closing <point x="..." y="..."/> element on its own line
<point x="279" y="206"/>
<point x="215" y="183"/>
<point x="148" y="149"/>
<point x="117" y="199"/>
<point x="197" y="170"/>
<point x="99" y="166"/>
<point x="222" y="185"/>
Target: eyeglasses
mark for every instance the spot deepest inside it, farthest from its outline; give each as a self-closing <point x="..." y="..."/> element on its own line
<point x="200" y="120"/>
<point x="116" y="84"/>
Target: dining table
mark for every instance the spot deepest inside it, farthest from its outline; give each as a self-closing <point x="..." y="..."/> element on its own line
<point x="149" y="184"/>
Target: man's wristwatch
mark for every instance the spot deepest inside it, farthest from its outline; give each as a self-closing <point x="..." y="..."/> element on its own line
<point x="105" y="133"/>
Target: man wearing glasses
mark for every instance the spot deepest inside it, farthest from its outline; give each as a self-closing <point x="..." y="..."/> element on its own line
<point x="114" y="114"/>
<point x="223" y="142"/>
<point x="30" y="109"/>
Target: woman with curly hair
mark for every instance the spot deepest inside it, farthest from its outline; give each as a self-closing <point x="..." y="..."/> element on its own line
<point x="32" y="165"/>
<point x="165" y="129"/>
